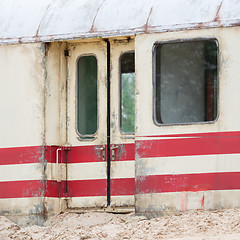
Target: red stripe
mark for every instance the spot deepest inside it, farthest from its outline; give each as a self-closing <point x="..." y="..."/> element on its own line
<point x="32" y="188"/>
<point x="21" y="189"/>
<point x="125" y="152"/>
<point x="188" y="146"/>
<point x="188" y="182"/>
<point x="50" y="153"/>
<point x="20" y="155"/>
<point x="81" y="154"/>
<point x="52" y="189"/>
<point x="123" y="186"/>
<point x="87" y="188"/>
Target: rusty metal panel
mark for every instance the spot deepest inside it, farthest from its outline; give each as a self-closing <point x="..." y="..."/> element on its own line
<point x="34" y="21"/>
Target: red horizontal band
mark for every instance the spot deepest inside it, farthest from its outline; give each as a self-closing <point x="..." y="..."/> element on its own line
<point x="125" y="152"/>
<point x="21" y="155"/>
<point x="81" y="154"/>
<point x="32" y="188"/>
<point x="21" y="189"/>
<point x="122" y="186"/>
<point x="51" y="153"/>
<point x="87" y="188"/>
<point x="93" y="153"/>
<point x="188" y="182"/>
<point x="188" y="146"/>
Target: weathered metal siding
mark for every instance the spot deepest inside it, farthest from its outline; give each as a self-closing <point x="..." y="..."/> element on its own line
<point x="22" y="132"/>
<point x="31" y="21"/>
<point x="192" y="166"/>
<point x="55" y="127"/>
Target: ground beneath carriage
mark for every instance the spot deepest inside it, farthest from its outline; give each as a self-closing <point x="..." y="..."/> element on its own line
<point x="192" y="225"/>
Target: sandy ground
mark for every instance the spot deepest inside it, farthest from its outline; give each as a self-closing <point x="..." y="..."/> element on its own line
<point x="191" y="225"/>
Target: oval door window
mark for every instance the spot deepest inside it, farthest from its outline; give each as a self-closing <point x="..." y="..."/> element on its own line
<point x="87" y="95"/>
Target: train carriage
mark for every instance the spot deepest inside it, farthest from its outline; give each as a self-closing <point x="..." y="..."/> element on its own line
<point x="118" y="106"/>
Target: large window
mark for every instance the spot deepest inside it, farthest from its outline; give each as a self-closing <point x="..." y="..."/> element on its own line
<point x="87" y="95"/>
<point x="127" y="79"/>
<point x="186" y="82"/>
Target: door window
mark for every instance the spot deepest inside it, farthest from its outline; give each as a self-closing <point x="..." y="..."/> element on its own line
<point x="87" y="117"/>
<point x="127" y="79"/>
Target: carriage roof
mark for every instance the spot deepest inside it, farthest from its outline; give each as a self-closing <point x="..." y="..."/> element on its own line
<point x="51" y="20"/>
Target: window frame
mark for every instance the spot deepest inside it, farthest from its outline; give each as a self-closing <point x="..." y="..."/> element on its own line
<point x="154" y="98"/>
<point x="85" y="137"/>
<point x="130" y="134"/>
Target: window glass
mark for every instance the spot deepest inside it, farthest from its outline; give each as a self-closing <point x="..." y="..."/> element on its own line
<point x="127" y="75"/>
<point x="186" y="82"/>
<point x="87" y="95"/>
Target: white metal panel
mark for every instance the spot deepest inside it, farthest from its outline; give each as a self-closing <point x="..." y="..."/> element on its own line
<point x="20" y="172"/>
<point x="174" y="202"/>
<point x="188" y="164"/>
<point x="168" y="14"/>
<point x="21" y="18"/>
<point x="68" y="17"/>
<point x="21" y="95"/>
<point x="89" y="171"/>
<point x="123" y="16"/>
<point x="29" y="21"/>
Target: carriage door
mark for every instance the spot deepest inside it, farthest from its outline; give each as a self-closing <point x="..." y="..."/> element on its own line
<point x="100" y="167"/>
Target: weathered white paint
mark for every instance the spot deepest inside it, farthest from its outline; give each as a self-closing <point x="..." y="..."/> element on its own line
<point x="122" y="201"/>
<point x="188" y="164"/>
<point x="83" y="49"/>
<point x="21" y="95"/>
<point x="25" y="211"/>
<point x="228" y="70"/>
<point x="87" y="171"/>
<point x="29" y="21"/>
<point x="20" y="172"/>
<point x="88" y="202"/>
<point x="122" y="169"/>
<point x="170" y="203"/>
<point x="55" y="93"/>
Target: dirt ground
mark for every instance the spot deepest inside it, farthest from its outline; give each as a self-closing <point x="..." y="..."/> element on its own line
<point x="190" y="225"/>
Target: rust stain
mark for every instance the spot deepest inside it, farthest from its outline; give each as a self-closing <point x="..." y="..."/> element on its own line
<point x="200" y="25"/>
<point x="37" y="32"/>
<point x="217" y="17"/>
<point x="202" y="202"/>
<point x="145" y="26"/>
<point x="184" y="201"/>
<point x="93" y="28"/>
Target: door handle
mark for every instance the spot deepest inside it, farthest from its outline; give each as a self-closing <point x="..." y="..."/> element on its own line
<point x="103" y="151"/>
<point x="113" y="152"/>
<point x="57" y="165"/>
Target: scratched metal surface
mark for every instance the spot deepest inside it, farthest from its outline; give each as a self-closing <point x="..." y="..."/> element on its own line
<point x="50" y="20"/>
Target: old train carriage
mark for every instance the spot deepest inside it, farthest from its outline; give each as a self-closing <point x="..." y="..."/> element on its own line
<point x="114" y="105"/>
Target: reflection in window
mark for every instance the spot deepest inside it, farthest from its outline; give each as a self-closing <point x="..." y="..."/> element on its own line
<point x="186" y="82"/>
<point x="87" y="95"/>
<point x="127" y="118"/>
